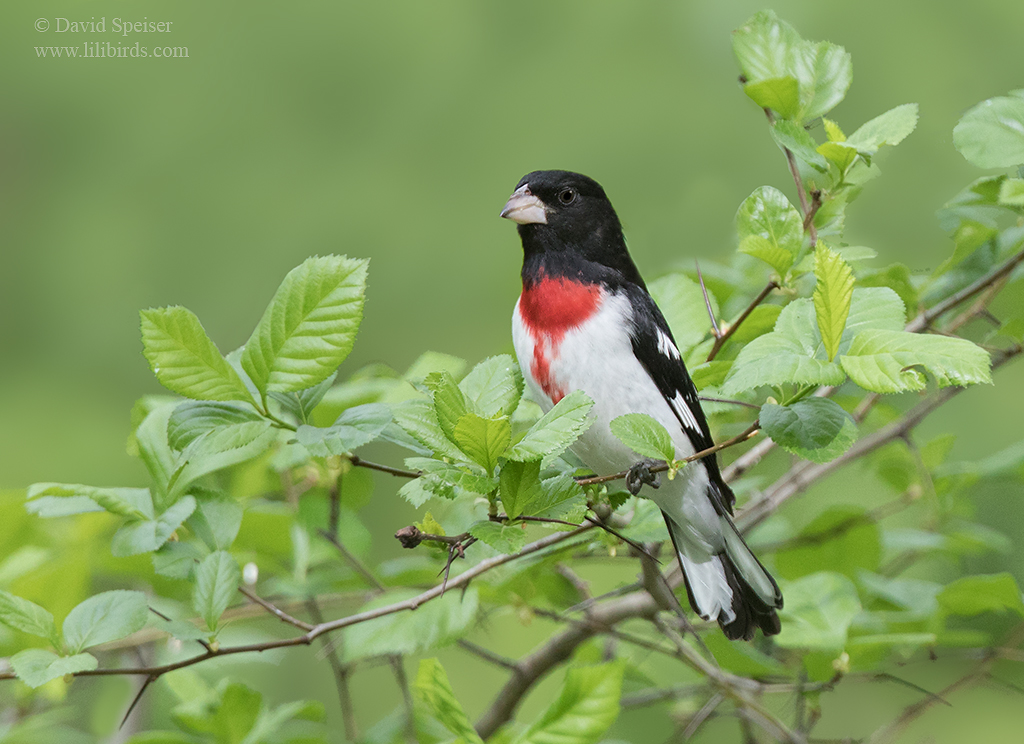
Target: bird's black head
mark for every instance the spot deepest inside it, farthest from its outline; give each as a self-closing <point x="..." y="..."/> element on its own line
<point x="568" y="227"/>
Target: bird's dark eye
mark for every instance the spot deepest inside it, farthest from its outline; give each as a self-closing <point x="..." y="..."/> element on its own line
<point x="567" y="196"/>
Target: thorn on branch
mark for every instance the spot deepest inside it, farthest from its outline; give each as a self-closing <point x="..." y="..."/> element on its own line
<point x="707" y="303"/>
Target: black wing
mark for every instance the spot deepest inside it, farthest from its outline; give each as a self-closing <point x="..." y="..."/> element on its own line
<point x="658" y="354"/>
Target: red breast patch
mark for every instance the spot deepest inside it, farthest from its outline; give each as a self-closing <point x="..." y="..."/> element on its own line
<point x="549" y="308"/>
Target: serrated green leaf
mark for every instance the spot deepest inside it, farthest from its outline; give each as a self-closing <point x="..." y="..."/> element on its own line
<point x="184" y="359"/>
<point x="420" y="490"/>
<point x="796" y="139"/>
<point x="35" y="666"/>
<point x="192" y="419"/>
<point x="309" y="327"/>
<point x="28" y="617"/>
<point x="103" y="618"/>
<point x="301" y="404"/>
<point x="435" y="692"/>
<point x="681" y="301"/>
<point x="585" y="709"/>
<point x="792" y="353"/>
<point x="561" y="498"/>
<point x="890" y="128"/>
<point x="811" y="423"/>
<point x="839" y="154"/>
<point x="1011" y="193"/>
<point x="354" y="428"/>
<point x="781" y="94"/>
<point x="147" y="535"/>
<point x="768" y="214"/>
<point x="418" y="418"/>
<point x="504" y="538"/>
<point x="519" y="486"/>
<point x="765" y="47"/>
<point x="778" y="258"/>
<point x="968" y="237"/>
<point x="221" y="448"/>
<point x="833" y="131"/>
<point x="483" y="439"/>
<point x="818" y="613"/>
<point x="833" y="293"/>
<point x="897" y="278"/>
<point x="217" y="580"/>
<point x="494" y="386"/>
<point x="825" y="72"/>
<point x="991" y="135"/>
<point x="217" y="520"/>
<point x="973" y="595"/>
<point x="134" y="503"/>
<point x="455" y="476"/>
<point x="644" y="435"/>
<point x="155" y="453"/>
<point x="449" y="401"/>
<point x="555" y="430"/>
<point x="436" y="623"/>
<point x="885" y="361"/>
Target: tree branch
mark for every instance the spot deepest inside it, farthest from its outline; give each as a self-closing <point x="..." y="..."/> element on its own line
<point x="720" y="339"/>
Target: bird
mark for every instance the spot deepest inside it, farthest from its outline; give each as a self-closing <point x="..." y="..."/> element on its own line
<point x="585" y="321"/>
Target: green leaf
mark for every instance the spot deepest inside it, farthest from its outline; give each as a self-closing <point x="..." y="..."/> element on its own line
<point x="818" y="613"/>
<point x="833" y="131"/>
<point x="885" y="361"/>
<point x="309" y="327"/>
<point x="555" y="430"/>
<point x="1011" y="193"/>
<point x="35" y="666"/>
<point x="216" y="583"/>
<point x="301" y="404"/>
<point x="585" y="709"/>
<point x="483" y="439"/>
<point x="455" y="476"/>
<point x="781" y="94"/>
<point x="217" y="521"/>
<point x="192" y="419"/>
<point x="778" y="258"/>
<point x="147" y="535"/>
<point x="889" y="128"/>
<point x="644" y="435"/>
<point x="519" y="486"/>
<point x="433" y="624"/>
<point x="434" y="691"/>
<point x="832" y="296"/>
<point x="768" y="214"/>
<point x="184" y="359"/>
<point x="28" y="617"/>
<point x="792" y="353"/>
<point x="844" y="539"/>
<point x="968" y="237"/>
<point x="825" y="72"/>
<point x="796" y="139"/>
<point x="897" y="278"/>
<point x="561" y="498"/>
<point x="839" y="154"/>
<point x="809" y="424"/>
<point x="354" y="428"/>
<point x="681" y="301"/>
<point x="494" y="386"/>
<point x="124" y="502"/>
<point x="105" y="617"/>
<point x="418" y="418"/>
<point x="973" y="595"/>
<point x="502" y="537"/>
<point x="449" y="401"/>
<point x="991" y="135"/>
<point x="221" y="448"/>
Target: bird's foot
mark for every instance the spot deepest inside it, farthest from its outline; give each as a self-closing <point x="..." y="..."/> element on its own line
<point x="640" y="475"/>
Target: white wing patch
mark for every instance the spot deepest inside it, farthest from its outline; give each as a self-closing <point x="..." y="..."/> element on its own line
<point x="666" y="347"/>
<point x="683" y="411"/>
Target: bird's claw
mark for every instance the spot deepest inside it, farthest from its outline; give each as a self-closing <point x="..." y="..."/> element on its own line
<point x="640" y="475"/>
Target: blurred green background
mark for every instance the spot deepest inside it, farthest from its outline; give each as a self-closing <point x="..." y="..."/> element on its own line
<point x="396" y="131"/>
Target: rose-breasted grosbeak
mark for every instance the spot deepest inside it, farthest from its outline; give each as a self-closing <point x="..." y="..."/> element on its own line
<point x="585" y="322"/>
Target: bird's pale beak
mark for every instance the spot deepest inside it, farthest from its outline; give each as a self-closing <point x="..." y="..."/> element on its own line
<point x="525" y="208"/>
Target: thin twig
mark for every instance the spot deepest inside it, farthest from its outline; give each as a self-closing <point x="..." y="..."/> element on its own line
<point x="720" y="339"/>
<point x="400" y="472"/>
<point x="487" y="654"/>
<point x="341" y="674"/>
<point x="730" y="401"/>
<point x="398" y="666"/>
<point x="273" y="609"/>
<point x="707" y="302"/>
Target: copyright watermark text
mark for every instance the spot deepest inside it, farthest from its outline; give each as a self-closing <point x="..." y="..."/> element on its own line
<point x="97" y="32"/>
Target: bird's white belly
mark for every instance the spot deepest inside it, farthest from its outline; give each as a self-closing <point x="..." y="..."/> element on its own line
<point x="597" y="357"/>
